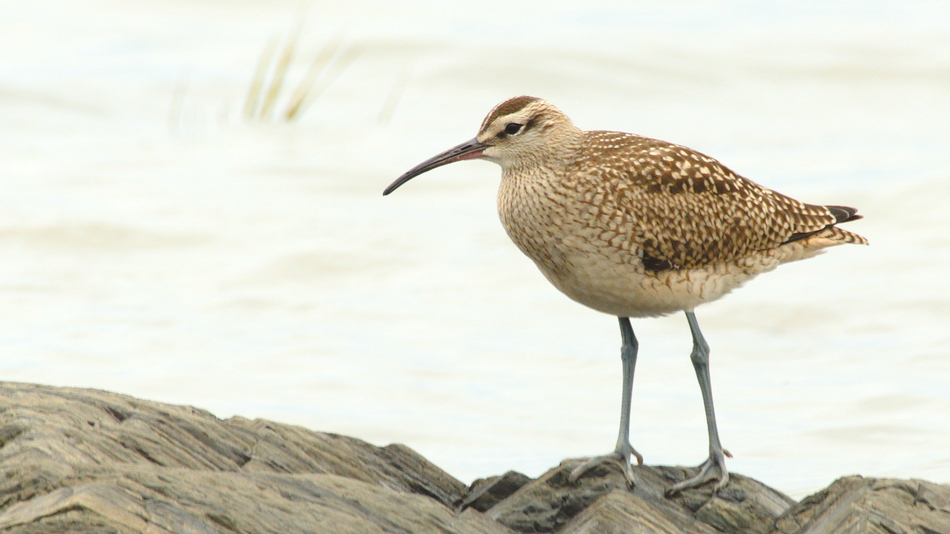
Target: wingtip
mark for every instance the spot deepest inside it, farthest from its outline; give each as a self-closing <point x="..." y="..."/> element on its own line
<point x="843" y="214"/>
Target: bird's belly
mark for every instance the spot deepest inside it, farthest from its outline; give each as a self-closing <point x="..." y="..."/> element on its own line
<point x="626" y="291"/>
<point x="616" y="282"/>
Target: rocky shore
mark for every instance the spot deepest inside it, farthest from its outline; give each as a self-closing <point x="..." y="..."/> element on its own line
<point x="88" y="461"/>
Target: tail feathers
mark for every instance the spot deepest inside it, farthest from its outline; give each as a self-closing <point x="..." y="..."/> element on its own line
<point x="844" y="214"/>
<point x="816" y="243"/>
<point x="836" y="236"/>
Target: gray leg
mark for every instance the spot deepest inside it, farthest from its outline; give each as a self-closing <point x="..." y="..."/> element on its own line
<point x="716" y="460"/>
<point x="623" y="450"/>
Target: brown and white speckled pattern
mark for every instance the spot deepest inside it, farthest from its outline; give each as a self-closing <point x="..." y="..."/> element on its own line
<point x="633" y="226"/>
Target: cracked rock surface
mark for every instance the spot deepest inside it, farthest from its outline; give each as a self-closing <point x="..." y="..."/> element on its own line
<point x="88" y="461"/>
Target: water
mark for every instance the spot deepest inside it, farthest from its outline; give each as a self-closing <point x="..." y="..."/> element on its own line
<point x="158" y="244"/>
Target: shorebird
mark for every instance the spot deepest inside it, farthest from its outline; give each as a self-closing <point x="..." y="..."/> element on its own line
<point x="637" y="227"/>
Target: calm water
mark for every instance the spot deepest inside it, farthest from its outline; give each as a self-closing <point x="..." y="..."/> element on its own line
<point x="156" y="243"/>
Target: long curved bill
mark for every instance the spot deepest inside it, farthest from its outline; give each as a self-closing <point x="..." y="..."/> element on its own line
<point x="471" y="149"/>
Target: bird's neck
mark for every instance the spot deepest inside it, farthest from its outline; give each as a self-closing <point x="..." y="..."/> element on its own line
<point x="555" y="155"/>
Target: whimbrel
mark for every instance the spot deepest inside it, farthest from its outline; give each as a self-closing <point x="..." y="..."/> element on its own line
<point x="637" y="227"/>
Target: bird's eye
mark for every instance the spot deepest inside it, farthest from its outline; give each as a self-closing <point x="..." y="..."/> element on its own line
<point x="513" y="128"/>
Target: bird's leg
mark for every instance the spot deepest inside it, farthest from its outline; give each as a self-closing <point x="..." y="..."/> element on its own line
<point x="715" y="465"/>
<point x="623" y="450"/>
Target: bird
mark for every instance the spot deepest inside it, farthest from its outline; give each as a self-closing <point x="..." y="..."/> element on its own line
<point x="637" y="227"/>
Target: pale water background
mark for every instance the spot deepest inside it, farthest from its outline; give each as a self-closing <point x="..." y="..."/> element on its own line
<point x="155" y="243"/>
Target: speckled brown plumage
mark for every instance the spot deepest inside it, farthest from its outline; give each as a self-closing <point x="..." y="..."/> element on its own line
<point x="687" y="208"/>
<point x="657" y="217"/>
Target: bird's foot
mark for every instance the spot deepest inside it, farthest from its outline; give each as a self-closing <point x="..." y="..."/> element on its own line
<point x="713" y="468"/>
<point x="621" y="454"/>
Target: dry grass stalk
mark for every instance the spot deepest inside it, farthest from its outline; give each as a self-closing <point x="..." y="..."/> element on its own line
<point x="280" y="73"/>
<point x="312" y="92"/>
<point x="307" y="83"/>
<point x="254" y="93"/>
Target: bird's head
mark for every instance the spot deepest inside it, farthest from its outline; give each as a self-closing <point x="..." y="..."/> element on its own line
<point x="517" y="132"/>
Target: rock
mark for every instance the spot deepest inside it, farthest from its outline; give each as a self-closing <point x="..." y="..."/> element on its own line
<point x="90" y="461"/>
<point x="485" y="493"/>
<point x="868" y="505"/>
<point x="87" y="461"/>
<point x="620" y="512"/>
<point x="553" y="504"/>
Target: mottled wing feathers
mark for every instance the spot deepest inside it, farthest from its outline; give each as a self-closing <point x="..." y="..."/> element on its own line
<point x="686" y="209"/>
